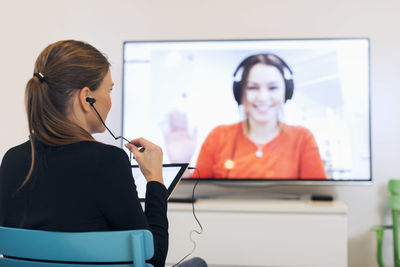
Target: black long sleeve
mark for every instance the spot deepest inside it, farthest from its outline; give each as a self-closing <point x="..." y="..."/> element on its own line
<point x="86" y="186"/>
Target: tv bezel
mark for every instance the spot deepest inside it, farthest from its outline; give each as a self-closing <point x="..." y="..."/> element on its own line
<point x="267" y="181"/>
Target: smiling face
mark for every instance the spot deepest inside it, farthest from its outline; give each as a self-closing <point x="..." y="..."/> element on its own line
<point x="263" y="94"/>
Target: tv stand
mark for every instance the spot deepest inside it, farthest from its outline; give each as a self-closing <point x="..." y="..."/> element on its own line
<point x="182" y="200"/>
<point x="261" y="232"/>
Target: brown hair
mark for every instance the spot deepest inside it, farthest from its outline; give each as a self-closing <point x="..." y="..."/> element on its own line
<point x="67" y="67"/>
<point x="267" y="59"/>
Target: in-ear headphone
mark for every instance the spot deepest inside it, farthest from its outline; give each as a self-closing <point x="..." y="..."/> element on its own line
<point x="269" y="59"/>
<point x="90" y="100"/>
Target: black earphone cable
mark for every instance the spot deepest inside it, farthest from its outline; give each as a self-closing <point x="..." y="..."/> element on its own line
<point x="194" y="187"/>
<point x="195" y="217"/>
<point x="116" y="138"/>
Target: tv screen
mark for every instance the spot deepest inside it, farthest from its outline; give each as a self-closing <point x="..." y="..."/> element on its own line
<point x="253" y="109"/>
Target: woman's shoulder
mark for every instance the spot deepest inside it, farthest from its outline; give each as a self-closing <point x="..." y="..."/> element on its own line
<point x="90" y="149"/>
<point x="98" y="149"/>
<point x="296" y="131"/>
<point x="18" y="150"/>
<point x="97" y="145"/>
<point x="104" y="156"/>
<point x="226" y="128"/>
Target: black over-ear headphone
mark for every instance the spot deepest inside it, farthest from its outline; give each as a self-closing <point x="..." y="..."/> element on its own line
<point x="286" y="73"/>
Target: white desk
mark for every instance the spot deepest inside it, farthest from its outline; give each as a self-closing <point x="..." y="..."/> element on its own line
<point x="261" y="232"/>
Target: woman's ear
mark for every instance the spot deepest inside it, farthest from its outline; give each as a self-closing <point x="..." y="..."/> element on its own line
<point x="83" y="94"/>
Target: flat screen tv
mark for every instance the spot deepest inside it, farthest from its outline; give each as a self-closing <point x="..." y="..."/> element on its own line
<point x="284" y="109"/>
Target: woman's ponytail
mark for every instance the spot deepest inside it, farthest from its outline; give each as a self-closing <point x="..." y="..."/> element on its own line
<point x="62" y="69"/>
<point x="33" y="102"/>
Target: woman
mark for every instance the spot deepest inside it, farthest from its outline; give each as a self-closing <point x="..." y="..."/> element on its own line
<point x="260" y="146"/>
<point x="64" y="180"/>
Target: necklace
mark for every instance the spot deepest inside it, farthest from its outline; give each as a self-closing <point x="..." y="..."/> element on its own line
<point x="259" y="152"/>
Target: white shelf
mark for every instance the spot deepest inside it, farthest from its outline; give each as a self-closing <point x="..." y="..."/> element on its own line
<point x="261" y="232"/>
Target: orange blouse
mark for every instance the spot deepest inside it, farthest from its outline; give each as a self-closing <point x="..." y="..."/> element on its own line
<point x="293" y="154"/>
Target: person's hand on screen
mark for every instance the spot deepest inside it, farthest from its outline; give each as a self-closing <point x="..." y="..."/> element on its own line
<point x="149" y="157"/>
<point x="180" y="143"/>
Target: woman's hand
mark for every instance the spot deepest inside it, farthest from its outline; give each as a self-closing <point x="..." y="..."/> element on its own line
<point x="179" y="142"/>
<point x="149" y="157"/>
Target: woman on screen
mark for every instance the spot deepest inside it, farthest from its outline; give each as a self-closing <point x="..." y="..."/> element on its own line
<point x="62" y="179"/>
<point x="261" y="146"/>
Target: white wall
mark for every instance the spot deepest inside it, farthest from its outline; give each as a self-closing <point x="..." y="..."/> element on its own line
<point x="26" y="27"/>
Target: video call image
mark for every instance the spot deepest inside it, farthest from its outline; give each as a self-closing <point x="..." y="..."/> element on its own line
<point x="254" y="109"/>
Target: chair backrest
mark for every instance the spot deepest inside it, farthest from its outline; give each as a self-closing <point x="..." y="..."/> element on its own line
<point x="394" y="203"/>
<point x="394" y="188"/>
<point x="60" y="248"/>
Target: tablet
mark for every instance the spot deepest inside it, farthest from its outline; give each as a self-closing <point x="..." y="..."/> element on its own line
<point x="172" y="174"/>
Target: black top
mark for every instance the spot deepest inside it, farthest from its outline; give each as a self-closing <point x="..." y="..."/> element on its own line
<point x="80" y="187"/>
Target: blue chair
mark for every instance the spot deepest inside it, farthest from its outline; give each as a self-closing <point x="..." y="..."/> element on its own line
<point x="37" y="248"/>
